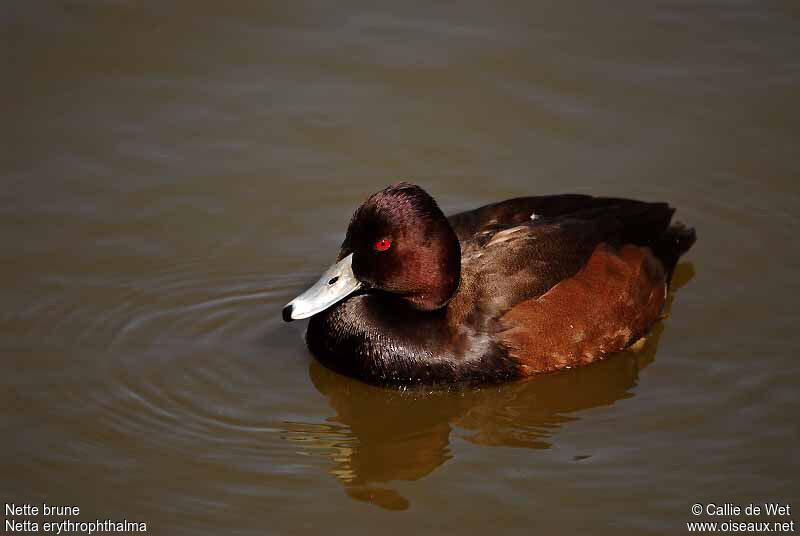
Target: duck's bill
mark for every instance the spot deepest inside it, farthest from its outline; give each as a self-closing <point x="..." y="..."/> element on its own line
<point x="336" y="283"/>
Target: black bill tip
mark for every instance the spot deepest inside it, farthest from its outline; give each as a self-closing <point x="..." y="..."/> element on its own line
<point x="287" y="313"/>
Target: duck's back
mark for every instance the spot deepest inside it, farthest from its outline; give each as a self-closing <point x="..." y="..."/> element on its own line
<point x="563" y="280"/>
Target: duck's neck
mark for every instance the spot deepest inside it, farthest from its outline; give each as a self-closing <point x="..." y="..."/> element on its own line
<point x="436" y="268"/>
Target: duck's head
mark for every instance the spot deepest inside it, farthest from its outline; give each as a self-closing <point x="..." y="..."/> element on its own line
<point x="398" y="242"/>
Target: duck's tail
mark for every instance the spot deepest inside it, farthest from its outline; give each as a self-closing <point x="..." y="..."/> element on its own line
<point x="675" y="241"/>
<point x="650" y="224"/>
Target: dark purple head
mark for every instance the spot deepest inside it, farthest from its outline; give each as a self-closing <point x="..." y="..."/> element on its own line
<point x="398" y="242"/>
<point x="402" y="243"/>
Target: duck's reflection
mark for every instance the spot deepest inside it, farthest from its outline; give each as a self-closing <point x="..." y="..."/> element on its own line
<point x="378" y="435"/>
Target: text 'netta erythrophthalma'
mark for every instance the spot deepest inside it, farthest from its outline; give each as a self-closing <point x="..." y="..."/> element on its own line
<point x="515" y="288"/>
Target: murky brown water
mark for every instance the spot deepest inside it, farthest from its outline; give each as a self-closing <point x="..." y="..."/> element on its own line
<point x="175" y="173"/>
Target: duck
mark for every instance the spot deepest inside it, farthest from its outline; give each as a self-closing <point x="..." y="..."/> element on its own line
<point x="509" y="290"/>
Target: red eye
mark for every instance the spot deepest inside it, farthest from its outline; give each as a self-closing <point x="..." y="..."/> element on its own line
<point x="382" y="245"/>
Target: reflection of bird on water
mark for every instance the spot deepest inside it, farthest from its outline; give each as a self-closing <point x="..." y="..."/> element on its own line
<point x="381" y="435"/>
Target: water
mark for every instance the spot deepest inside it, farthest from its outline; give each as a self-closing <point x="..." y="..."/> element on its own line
<point x="174" y="173"/>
